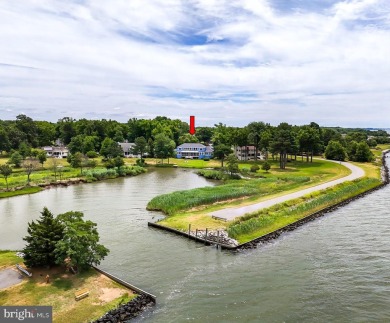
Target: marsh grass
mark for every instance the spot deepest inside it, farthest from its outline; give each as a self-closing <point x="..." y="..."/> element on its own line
<point x="184" y="200"/>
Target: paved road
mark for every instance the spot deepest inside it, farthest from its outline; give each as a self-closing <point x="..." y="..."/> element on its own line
<point x="232" y="213"/>
<point x="9" y="277"/>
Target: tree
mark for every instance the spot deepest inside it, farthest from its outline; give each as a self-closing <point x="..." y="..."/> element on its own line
<point x="140" y="146"/>
<point x="42" y="157"/>
<point x="110" y="148"/>
<point x="372" y="143"/>
<point x="335" y="151"/>
<point x="24" y="149"/>
<point x="5" y="170"/>
<point x="187" y="138"/>
<point x="255" y="132"/>
<point x="118" y="162"/>
<point x="4" y="140"/>
<point x="16" y="159"/>
<point x="221" y="151"/>
<point x="29" y="128"/>
<point x="309" y="141"/>
<point x="41" y="240"/>
<point x="363" y="152"/>
<point x="30" y="165"/>
<point x="266" y="166"/>
<point x="283" y="142"/>
<point x="232" y="164"/>
<point x="77" y="160"/>
<point x="79" y="242"/>
<point x="163" y="147"/>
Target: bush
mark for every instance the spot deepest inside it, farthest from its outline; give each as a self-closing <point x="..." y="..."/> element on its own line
<point x="206" y="159"/>
<point x="92" y="154"/>
<point x="254" y="168"/>
<point x="266" y="166"/>
<point x="212" y="174"/>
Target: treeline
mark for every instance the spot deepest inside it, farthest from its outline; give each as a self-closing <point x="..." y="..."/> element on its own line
<point x="100" y="136"/>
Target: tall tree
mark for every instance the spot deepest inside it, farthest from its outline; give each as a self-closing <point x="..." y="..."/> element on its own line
<point x="163" y="147"/>
<point x="221" y="151"/>
<point x="140" y="146"/>
<point x="6" y="171"/>
<point x="110" y="148"/>
<point x="255" y="130"/>
<point x="80" y="241"/>
<point x="41" y="240"/>
<point x="283" y="142"/>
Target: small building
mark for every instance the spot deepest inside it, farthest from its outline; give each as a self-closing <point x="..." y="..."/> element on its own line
<point x="194" y="151"/>
<point x="56" y="151"/>
<point x="246" y="153"/>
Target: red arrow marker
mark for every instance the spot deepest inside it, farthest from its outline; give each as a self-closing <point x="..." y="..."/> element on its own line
<point x="192" y="125"/>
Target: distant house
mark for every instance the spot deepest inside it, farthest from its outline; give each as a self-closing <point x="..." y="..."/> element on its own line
<point x="56" y="151"/>
<point x="194" y="151"/>
<point x="246" y="153"/>
<point x="127" y="148"/>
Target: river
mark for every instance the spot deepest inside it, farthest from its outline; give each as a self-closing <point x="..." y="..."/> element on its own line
<point x="335" y="269"/>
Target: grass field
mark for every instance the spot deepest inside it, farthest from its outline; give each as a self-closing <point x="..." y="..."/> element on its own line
<point x="104" y="295"/>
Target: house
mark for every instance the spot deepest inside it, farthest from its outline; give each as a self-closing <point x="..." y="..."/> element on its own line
<point x="127" y="148"/>
<point x="56" y="151"/>
<point x="194" y="151"/>
<point x="246" y="152"/>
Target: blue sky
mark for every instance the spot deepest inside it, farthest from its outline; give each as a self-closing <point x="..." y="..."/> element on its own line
<point x="223" y="61"/>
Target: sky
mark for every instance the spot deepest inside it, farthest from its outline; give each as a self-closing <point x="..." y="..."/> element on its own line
<point x="229" y="61"/>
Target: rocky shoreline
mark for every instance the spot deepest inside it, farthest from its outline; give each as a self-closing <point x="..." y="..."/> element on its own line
<point x="274" y="235"/>
<point x="125" y="312"/>
<point x="220" y="237"/>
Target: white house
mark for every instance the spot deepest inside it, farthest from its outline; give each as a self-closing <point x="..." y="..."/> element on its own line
<point x="56" y="151"/>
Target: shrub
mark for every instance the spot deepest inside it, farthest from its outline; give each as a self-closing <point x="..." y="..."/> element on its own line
<point x="92" y="154"/>
<point x="254" y="168"/>
<point x="266" y="166"/>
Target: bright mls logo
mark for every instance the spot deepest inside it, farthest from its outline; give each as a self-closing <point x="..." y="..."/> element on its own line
<point x="30" y="314"/>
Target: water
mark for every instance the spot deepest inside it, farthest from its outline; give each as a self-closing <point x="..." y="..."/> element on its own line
<point x="335" y="269"/>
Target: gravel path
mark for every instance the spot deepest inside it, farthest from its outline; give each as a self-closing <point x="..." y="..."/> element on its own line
<point x="232" y="213"/>
<point x="9" y="277"/>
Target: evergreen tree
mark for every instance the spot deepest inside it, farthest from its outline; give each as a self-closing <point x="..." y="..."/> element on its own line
<point x="41" y="240"/>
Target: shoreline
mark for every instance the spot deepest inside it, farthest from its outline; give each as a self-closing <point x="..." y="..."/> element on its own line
<point x="59" y="183"/>
<point x="292" y="226"/>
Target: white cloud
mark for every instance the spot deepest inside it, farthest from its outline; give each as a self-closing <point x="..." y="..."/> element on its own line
<point x="229" y="61"/>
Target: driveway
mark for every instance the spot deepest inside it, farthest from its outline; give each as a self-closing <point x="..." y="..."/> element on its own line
<point x="232" y="213"/>
<point x="9" y="277"/>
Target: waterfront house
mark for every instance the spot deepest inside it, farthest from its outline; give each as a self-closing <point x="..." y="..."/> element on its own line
<point x="194" y="151"/>
<point x="127" y="148"/>
<point x="56" y="151"/>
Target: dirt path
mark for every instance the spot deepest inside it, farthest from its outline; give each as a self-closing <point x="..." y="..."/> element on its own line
<point x="232" y="213"/>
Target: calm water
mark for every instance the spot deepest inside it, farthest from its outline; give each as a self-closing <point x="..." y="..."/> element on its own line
<point x="336" y="269"/>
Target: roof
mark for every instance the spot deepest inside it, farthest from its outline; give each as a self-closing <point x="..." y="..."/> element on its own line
<point x="191" y="145"/>
<point x="126" y="146"/>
